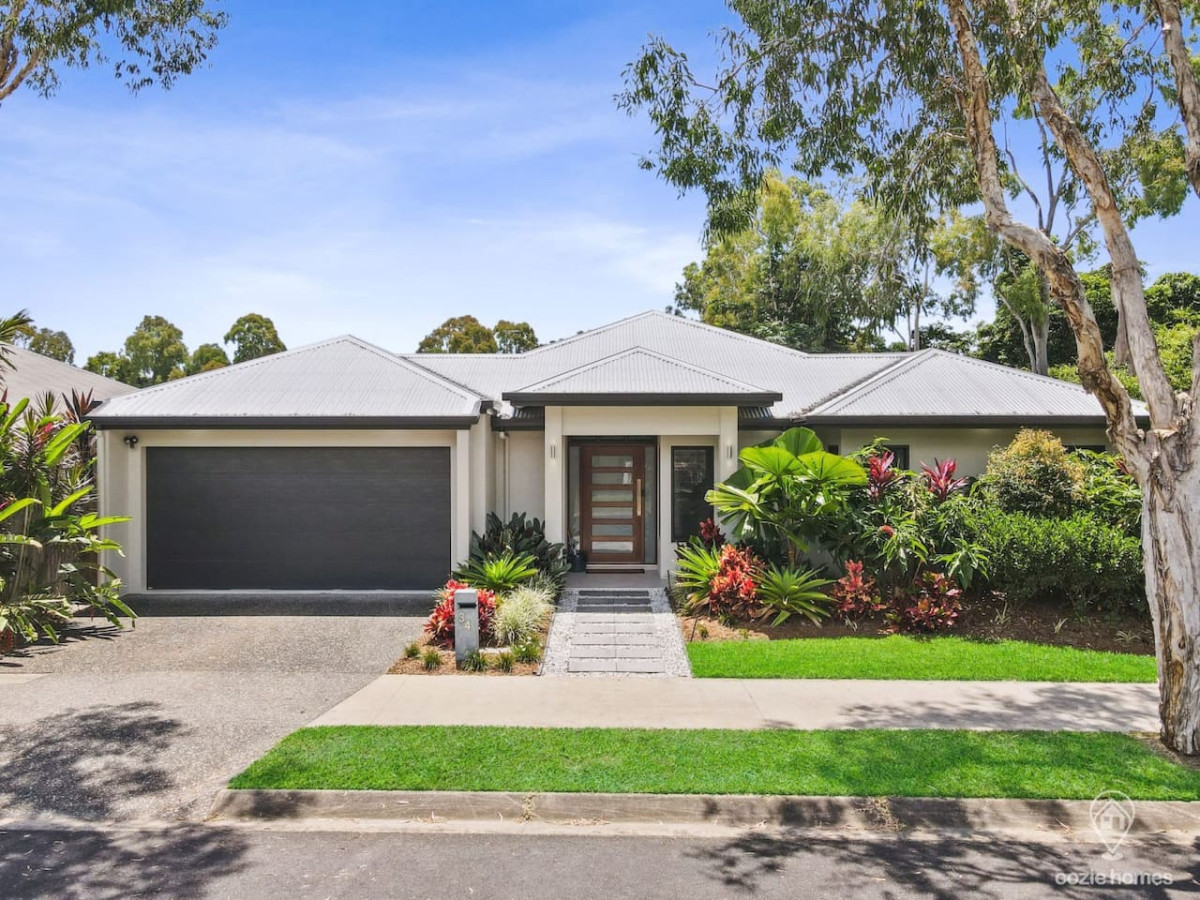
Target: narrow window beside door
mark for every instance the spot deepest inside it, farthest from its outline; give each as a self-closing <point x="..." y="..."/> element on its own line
<point x="691" y="479"/>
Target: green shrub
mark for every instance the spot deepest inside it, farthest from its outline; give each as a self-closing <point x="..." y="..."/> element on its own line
<point x="547" y="584"/>
<point x="474" y="661"/>
<point x="500" y="573"/>
<point x="519" y="615"/>
<point x="522" y="535"/>
<point x="1110" y="492"/>
<point x="1034" y="474"/>
<point x="787" y="592"/>
<point x="1083" y="560"/>
<point x="505" y="661"/>
<point x="431" y="659"/>
<point x="412" y="651"/>
<point x="528" y="651"/>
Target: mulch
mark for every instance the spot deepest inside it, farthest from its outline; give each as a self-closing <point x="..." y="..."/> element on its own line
<point x="982" y="619"/>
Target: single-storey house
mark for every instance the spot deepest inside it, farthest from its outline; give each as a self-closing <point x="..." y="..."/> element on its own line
<point x="341" y="465"/>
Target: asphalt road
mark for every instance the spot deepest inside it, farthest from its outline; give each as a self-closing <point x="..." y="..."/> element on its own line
<point x="192" y="860"/>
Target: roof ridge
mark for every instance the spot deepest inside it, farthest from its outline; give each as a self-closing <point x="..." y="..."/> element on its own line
<point x="1011" y="369"/>
<point x="296" y="351"/>
<point x="643" y="351"/>
<point x="859" y="384"/>
<point x="599" y="329"/>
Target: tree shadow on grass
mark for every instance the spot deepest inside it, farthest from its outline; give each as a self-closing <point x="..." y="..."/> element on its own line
<point x="84" y="763"/>
<point x="947" y="868"/>
<point x="181" y="862"/>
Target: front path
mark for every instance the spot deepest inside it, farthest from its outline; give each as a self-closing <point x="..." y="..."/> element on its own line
<point x="749" y="703"/>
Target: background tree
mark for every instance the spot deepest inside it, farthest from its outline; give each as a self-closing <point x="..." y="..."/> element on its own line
<point x="152" y="354"/>
<point x="143" y="42"/>
<point x="915" y="96"/>
<point x="109" y="364"/>
<point x="811" y="272"/>
<point x="48" y="342"/>
<point x="514" y="337"/>
<point x="207" y="357"/>
<point x="461" y="334"/>
<point x="253" y="336"/>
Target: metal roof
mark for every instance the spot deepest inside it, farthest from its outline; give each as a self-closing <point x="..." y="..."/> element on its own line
<point x="34" y="376"/>
<point x="933" y="384"/>
<point x="644" y="377"/>
<point x="343" y="382"/>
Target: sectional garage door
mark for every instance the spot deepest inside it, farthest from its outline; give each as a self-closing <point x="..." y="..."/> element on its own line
<point x="297" y="518"/>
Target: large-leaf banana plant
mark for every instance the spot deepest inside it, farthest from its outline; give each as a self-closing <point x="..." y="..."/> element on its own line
<point x="785" y="489"/>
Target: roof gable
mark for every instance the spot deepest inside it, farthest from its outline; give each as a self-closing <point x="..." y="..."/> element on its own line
<point x="642" y="376"/>
<point x="345" y="379"/>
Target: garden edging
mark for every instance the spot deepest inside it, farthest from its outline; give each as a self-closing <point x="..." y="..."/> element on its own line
<point x="1069" y="818"/>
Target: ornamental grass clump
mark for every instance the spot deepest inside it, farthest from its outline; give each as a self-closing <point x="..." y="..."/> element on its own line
<point x="520" y="615"/>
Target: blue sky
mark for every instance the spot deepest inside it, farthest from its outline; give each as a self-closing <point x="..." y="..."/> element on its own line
<point x="372" y="173"/>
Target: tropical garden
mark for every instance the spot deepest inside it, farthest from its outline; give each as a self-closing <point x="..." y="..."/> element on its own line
<point x="51" y="545"/>
<point x="1033" y="567"/>
<point x="518" y="577"/>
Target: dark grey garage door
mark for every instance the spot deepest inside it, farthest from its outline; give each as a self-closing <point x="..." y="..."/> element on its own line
<point x="297" y="518"/>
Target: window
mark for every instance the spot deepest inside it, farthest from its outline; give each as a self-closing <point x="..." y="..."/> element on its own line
<point x="901" y="453"/>
<point x="691" y="479"/>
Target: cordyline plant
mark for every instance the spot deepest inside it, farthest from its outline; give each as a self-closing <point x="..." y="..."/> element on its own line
<point x="933" y="104"/>
<point x="940" y="479"/>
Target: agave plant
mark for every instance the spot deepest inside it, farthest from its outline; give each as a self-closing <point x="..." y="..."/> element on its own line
<point x="785" y="489"/>
<point x="501" y="573"/>
<point x="788" y="592"/>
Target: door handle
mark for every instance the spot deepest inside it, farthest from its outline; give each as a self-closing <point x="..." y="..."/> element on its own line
<point x="639" y="498"/>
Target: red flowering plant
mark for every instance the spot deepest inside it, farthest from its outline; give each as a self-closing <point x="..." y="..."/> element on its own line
<point x="710" y="534"/>
<point x="440" y="626"/>
<point x="940" y="479"/>
<point x="719" y="581"/>
<point x="931" y="604"/>
<point x="855" y="594"/>
<point x="880" y="473"/>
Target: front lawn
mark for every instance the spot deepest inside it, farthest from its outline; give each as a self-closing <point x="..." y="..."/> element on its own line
<point x="824" y="763"/>
<point x="901" y="657"/>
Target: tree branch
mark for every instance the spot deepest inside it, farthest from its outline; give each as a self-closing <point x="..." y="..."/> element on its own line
<point x="1186" y="85"/>
<point x="1061" y="276"/>
<point x="1127" y="272"/>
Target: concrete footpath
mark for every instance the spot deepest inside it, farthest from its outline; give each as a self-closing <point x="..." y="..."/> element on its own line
<point x="748" y="704"/>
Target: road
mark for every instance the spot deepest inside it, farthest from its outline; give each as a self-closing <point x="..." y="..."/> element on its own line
<point x="197" y="860"/>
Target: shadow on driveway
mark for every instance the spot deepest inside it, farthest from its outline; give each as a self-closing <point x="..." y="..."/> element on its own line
<point x="79" y="763"/>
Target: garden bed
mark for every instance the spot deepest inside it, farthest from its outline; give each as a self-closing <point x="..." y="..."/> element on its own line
<point x="446" y="666"/>
<point x="984" y="619"/>
<point x="1055" y="765"/>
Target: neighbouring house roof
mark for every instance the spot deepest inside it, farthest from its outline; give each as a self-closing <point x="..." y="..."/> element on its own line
<point x="640" y="377"/>
<point x="343" y="382"/>
<point x="649" y="359"/>
<point x="33" y="375"/>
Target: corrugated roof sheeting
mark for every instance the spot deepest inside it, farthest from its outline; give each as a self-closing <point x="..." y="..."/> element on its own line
<point x="33" y="375"/>
<point x="343" y="377"/>
<point x="639" y="371"/>
<point x="935" y="383"/>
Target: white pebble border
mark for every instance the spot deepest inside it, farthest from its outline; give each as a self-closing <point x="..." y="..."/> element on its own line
<point x="557" y="655"/>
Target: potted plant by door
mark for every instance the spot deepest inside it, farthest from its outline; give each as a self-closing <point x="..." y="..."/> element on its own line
<point x="575" y="556"/>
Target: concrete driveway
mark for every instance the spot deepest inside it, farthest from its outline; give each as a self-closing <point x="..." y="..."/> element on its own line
<point x="146" y="723"/>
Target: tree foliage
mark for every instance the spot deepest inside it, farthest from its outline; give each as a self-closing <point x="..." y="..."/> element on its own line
<point x="207" y="357"/>
<point x="466" y="334"/>
<point x="811" y="271"/>
<point x="48" y="342"/>
<point x="143" y="42"/>
<point x="252" y="336"/>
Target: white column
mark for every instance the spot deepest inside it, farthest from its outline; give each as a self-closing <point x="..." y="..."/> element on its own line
<point x="135" y="498"/>
<point x="556" y="468"/>
<point x="727" y="444"/>
<point x="482" y="469"/>
<point x="460" y="515"/>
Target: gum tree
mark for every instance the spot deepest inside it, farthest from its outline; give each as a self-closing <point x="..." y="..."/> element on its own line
<point x="920" y="99"/>
<point x="145" y="42"/>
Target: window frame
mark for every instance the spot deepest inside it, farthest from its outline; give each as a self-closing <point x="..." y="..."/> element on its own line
<point x="710" y="462"/>
<point x="903" y="454"/>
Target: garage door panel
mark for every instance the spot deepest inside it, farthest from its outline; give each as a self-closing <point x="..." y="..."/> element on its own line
<point x="298" y="518"/>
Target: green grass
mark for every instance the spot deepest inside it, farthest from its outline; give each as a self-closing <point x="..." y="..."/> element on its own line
<point x="900" y="657"/>
<point x="825" y="763"/>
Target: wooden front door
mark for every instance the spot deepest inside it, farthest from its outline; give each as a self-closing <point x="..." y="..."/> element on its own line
<point x="612" y="484"/>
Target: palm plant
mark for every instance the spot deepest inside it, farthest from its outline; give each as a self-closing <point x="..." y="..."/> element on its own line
<point x="501" y="573"/>
<point x="785" y="491"/>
